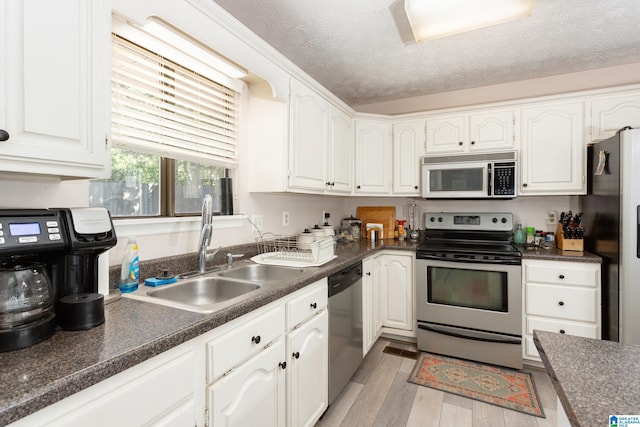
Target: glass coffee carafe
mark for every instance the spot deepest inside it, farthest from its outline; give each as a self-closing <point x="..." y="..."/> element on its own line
<point x="25" y="294"/>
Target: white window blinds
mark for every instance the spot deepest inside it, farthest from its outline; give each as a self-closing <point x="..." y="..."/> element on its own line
<point x="160" y="107"/>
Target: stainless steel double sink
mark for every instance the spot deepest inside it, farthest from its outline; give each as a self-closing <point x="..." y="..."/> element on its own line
<point x="219" y="289"/>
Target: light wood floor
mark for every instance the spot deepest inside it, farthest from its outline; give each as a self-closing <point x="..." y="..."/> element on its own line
<point x="380" y="395"/>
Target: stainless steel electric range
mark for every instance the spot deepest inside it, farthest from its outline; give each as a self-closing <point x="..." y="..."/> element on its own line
<point x="469" y="288"/>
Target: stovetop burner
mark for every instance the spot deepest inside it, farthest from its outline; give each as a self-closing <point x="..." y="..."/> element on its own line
<point x="470" y="237"/>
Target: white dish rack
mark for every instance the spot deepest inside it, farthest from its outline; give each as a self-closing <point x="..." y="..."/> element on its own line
<point x="286" y="251"/>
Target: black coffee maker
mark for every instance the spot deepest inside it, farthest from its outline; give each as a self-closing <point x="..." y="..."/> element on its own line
<point x="49" y="271"/>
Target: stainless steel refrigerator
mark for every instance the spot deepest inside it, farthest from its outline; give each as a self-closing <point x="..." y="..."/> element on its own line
<point x="612" y="230"/>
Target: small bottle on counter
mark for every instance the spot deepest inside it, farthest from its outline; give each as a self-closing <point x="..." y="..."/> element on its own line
<point x="531" y="236"/>
<point x="519" y="237"/>
<point x="401" y="230"/>
<point x="130" y="273"/>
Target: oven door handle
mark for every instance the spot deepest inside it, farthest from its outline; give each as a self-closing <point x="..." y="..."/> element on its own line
<point x="470" y="334"/>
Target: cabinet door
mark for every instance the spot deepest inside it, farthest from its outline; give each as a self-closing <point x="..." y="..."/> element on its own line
<point x="309" y="114"/>
<point x="610" y="113"/>
<point x="373" y="157"/>
<point x="369" y="306"/>
<point x="54" y="68"/>
<point x="446" y="134"/>
<point x="394" y="277"/>
<point x="340" y="167"/>
<point x="253" y="395"/>
<point x="493" y="130"/>
<point x="308" y="371"/>
<point x="553" y="154"/>
<point x="159" y="391"/>
<point x="408" y="146"/>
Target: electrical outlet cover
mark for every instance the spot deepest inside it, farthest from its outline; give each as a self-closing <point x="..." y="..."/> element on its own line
<point x="552" y="217"/>
<point x="257" y="222"/>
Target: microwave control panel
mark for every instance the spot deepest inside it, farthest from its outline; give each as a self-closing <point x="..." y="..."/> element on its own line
<point x="504" y="179"/>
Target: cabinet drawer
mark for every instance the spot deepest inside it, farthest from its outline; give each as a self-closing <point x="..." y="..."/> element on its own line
<point x="237" y="345"/>
<point x="530" y="350"/>
<point x="589" y="330"/>
<point x="562" y="302"/>
<point x="307" y="304"/>
<point x="563" y="274"/>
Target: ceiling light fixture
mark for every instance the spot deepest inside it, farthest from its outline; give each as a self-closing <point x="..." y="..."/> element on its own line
<point x="432" y="19"/>
<point x="191" y="46"/>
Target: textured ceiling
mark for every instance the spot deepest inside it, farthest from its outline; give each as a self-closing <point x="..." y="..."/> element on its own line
<point x="361" y="50"/>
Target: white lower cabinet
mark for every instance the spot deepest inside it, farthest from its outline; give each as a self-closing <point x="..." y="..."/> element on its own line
<point x="388" y="303"/>
<point x="157" y="392"/>
<point x="395" y="278"/>
<point x="252" y="395"/>
<point x="562" y="297"/>
<point x="307" y="371"/>
<point x="266" y="368"/>
<point x="371" y="313"/>
<point x="270" y="368"/>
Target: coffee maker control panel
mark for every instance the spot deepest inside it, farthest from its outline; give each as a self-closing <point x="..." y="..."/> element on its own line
<point x="29" y="231"/>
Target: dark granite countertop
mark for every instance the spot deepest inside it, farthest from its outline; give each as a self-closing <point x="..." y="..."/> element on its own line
<point x="555" y="254"/>
<point x="592" y="378"/>
<point x="134" y="331"/>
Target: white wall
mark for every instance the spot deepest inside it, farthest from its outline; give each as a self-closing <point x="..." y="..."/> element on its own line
<point x="530" y="211"/>
<point x="305" y="210"/>
<point x="620" y="75"/>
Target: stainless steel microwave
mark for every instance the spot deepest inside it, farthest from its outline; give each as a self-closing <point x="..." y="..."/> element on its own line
<point x="470" y="176"/>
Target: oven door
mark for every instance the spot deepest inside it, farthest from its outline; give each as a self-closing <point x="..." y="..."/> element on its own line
<point x="485" y="297"/>
<point x="457" y="180"/>
<point x="470" y="310"/>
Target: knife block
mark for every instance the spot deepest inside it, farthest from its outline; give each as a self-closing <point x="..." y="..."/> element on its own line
<point x="568" y="244"/>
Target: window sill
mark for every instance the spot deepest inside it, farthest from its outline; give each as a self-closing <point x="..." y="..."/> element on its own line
<point x="155" y="226"/>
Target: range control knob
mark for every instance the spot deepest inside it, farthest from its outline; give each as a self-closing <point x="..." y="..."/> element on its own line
<point x="494" y="220"/>
<point x="432" y="219"/>
<point x="504" y="220"/>
<point x="439" y="219"/>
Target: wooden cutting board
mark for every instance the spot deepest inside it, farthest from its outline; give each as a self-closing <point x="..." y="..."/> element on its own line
<point x="385" y="215"/>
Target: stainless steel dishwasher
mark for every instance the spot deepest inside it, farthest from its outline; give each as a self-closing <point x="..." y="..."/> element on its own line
<point x="345" y="327"/>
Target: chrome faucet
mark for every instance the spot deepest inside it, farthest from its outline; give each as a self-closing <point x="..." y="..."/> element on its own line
<point x="206" y="234"/>
<point x="230" y="258"/>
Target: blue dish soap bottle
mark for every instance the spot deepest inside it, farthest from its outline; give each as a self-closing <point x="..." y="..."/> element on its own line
<point x="130" y="273"/>
<point x="519" y="236"/>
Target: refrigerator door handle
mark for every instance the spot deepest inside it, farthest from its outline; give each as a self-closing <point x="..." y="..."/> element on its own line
<point x="638" y="231"/>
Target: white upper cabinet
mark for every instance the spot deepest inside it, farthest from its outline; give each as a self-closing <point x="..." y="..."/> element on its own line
<point x="492" y="130"/>
<point x="373" y="157"/>
<point x="308" y="138"/>
<point x="447" y="134"/>
<point x="553" y="153"/>
<point x="612" y="112"/>
<point x="408" y="146"/>
<point x="54" y="99"/>
<point x="340" y="152"/>
<point x="320" y="144"/>
<point x="489" y="130"/>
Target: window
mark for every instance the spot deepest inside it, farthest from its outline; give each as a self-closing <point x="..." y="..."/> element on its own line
<point x="173" y="134"/>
